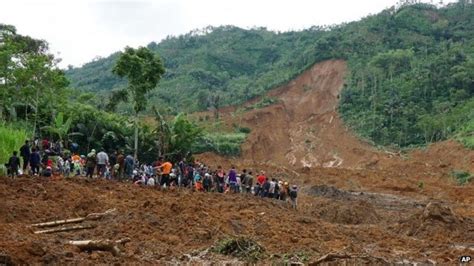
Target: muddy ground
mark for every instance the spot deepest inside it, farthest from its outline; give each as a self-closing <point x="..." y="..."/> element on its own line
<point x="357" y="204"/>
<point x="369" y="218"/>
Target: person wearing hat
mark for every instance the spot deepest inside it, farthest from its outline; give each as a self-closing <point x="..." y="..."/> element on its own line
<point x="293" y="195"/>
<point x="91" y="162"/>
<point x="207" y="182"/>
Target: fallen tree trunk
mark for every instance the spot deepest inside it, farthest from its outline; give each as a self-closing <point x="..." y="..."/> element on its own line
<point x="91" y="216"/>
<point x="64" y="229"/>
<point x="102" y="245"/>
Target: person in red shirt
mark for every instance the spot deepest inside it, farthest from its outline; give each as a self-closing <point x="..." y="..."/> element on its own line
<point x="260" y="181"/>
<point x="261" y="178"/>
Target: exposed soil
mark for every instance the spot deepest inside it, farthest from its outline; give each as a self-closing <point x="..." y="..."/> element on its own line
<point x="165" y="225"/>
<point x="358" y="204"/>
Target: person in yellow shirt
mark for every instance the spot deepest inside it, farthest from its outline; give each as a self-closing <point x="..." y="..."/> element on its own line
<point x="165" y="169"/>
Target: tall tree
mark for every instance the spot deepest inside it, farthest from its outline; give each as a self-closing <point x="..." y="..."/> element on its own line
<point x="143" y="70"/>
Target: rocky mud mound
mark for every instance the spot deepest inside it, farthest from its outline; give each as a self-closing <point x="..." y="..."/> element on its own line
<point x="329" y="192"/>
<point x="351" y="213"/>
<point x="437" y="219"/>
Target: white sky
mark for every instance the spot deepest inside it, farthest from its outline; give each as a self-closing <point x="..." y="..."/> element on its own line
<point x="79" y="30"/>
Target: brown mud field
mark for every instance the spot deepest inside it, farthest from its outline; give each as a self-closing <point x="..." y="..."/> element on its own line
<point x="357" y="204"/>
<point x="388" y="226"/>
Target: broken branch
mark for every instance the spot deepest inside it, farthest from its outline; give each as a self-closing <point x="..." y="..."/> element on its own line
<point x="91" y="216"/>
<point x="64" y="229"/>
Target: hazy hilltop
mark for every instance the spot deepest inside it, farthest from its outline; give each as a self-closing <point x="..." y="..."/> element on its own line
<point x="410" y="81"/>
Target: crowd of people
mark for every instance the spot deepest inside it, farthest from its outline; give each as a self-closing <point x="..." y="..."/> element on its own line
<point x="46" y="159"/>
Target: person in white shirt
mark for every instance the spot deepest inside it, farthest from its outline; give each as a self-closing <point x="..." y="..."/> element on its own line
<point x="151" y="182"/>
<point x="102" y="162"/>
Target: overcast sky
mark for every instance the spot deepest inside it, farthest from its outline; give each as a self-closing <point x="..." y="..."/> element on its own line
<point x="79" y="30"/>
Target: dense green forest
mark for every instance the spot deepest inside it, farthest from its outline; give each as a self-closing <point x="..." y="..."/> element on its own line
<point x="410" y="82"/>
<point x="36" y="103"/>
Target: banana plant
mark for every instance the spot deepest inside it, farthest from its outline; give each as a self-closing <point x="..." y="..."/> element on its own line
<point x="60" y="127"/>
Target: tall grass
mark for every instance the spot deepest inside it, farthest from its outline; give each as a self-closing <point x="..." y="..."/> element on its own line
<point x="466" y="134"/>
<point x="10" y="140"/>
<point x="221" y="143"/>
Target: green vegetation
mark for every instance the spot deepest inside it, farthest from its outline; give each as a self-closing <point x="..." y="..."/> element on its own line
<point x="35" y="99"/>
<point x="215" y="66"/>
<point x="262" y="103"/>
<point x="221" y="143"/>
<point x="414" y="82"/>
<point x="462" y="177"/>
<point x="11" y="140"/>
<point x="411" y="78"/>
<point x="143" y="70"/>
<point x="241" y="247"/>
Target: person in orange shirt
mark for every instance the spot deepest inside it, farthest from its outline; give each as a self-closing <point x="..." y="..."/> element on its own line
<point x="165" y="172"/>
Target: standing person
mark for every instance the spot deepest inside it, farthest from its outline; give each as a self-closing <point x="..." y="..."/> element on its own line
<point x="220" y="179"/>
<point x="165" y="172"/>
<point x="112" y="163"/>
<point x="293" y="195"/>
<point x="271" y="189"/>
<point x="198" y="181"/>
<point x="76" y="164"/>
<point x="35" y="160"/>
<point x="182" y="171"/>
<point x="25" y="154"/>
<point x="207" y="182"/>
<point x="277" y="189"/>
<point x="265" y="188"/>
<point x="128" y="166"/>
<point x="13" y="165"/>
<point x="248" y="182"/>
<point x="188" y="181"/>
<point x="121" y="165"/>
<point x="102" y="163"/>
<point x="243" y="180"/>
<point x="233" y="179"/>
<point x="260" y="181"/>
<point x="91" y="163"/>
<point x="67" y="167"/>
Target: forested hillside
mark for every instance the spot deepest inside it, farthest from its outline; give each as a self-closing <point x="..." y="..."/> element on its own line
<point x="229" y="63"/>
<point x="410" y="82"/>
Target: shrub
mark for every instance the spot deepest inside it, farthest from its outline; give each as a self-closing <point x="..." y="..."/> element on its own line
<point x="241" y="247"/>
<point x="224" y="143"/>
<point x="462" y="177"/>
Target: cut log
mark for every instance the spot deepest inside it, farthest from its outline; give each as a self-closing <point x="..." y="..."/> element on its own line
<point x="102" y="245"/>
<point x="91" y="216"/>
<point x="65" y="229"/>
